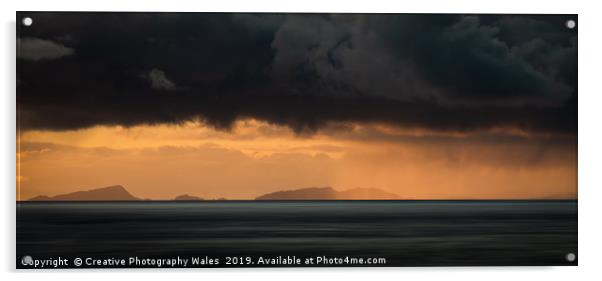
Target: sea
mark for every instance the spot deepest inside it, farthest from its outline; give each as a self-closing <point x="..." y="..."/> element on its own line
<point x="282" y="233"/>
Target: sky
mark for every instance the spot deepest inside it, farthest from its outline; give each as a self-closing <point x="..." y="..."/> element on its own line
<point x="239" y="105"/>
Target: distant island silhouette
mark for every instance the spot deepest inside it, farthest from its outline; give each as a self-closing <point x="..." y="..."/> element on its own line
<point x="119" y="193"/>
<point x="186" y="197"/>
<point x="329" y="193"/>
<point x="109" y="193"/>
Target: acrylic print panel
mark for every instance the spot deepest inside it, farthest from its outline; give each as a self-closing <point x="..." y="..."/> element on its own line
<point x="267" y="140"/>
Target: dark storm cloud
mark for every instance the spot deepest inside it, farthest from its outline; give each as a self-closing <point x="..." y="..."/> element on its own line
<point x="440" y="72"/>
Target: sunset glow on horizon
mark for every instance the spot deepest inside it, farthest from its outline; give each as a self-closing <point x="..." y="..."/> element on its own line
<point x="255" y="157"/>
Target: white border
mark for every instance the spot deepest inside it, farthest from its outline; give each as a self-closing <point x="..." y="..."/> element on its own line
<point x="589" y="136"/>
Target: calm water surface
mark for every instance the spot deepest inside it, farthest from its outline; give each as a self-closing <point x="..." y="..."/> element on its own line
<point x="406" y="233"/>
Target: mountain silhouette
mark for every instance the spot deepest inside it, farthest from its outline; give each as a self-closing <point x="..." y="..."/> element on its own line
<point x="328" y="193"/>
<point x="110" y="193"/>
<point x="186" y="197"/>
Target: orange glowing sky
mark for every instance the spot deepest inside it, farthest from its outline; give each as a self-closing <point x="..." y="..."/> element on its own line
<point x="254" y="158"/>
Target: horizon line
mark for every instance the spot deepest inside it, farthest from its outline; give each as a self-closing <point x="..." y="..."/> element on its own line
<point x="286" y="200"/>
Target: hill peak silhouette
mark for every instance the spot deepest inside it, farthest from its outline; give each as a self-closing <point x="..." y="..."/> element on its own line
<point x="186" y="197"/>
<point x="109" y="193"/>
<point x="329" y="193"/>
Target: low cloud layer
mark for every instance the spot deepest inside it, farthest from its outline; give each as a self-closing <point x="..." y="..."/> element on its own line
<point x="39" y="49"/>
<point x="437" y="72"/>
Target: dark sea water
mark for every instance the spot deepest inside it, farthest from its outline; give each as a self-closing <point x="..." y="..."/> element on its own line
<point x="406" y="233"/>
